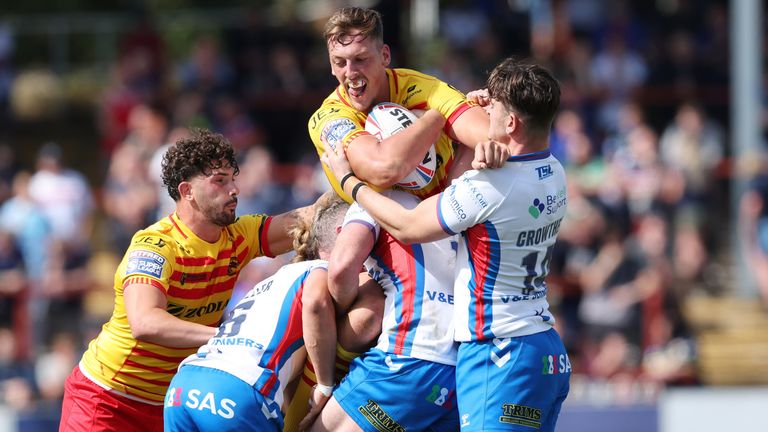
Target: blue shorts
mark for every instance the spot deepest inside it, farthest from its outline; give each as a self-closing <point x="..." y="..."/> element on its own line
<point x="386" y="392"/>
<point x="206" y="399"/>
<point x="512" y="384"/>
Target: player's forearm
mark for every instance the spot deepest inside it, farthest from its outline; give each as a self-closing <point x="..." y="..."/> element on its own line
<point x="159" y="327"/>
<point x="279" y="238"/>
<point x="387" y="162"/>
<point x="471" y="127"/>
<point x="319" y="327"/>
<point x="342" y="284"/>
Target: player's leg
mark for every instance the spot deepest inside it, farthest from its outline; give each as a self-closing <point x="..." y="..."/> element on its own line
<point x="512" y="384"/>
<point x="333" y="418"/>
<point x="209" y="399"/>
<point x="356" y="331"/>
<point x="89" y="407"/>
<point x="388" y="392"/>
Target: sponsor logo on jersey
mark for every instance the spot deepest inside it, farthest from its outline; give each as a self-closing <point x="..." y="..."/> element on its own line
<point x="520" y="415"/>
<point x="321" y="114"/>
<point x="465" y="420"/>
<point x="536" y="209"/>
<point x="549" y="205"/>
<point x="236" y="341"/>
<point x="440" y="297"/>
<point x="149" y="240"/>
<point x="441" y="397"/>
<point x="456" y="207"/>
<point x="412" y="91"/>
<point x="379" y="418"/>
<point x="544" y="171"/>
<point x="173" y="397"/>
<point x="181" y="311"/>
<point x="223" y="407"/>
<point x="336" y="130"/>
<point x="145" y="262"/>
<point x="555" y="364"/>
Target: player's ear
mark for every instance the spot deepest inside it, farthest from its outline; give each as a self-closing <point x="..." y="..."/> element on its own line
<point x="185" y="190"/>
<point x="513" y="123"/>
<point x="386" y="55"/>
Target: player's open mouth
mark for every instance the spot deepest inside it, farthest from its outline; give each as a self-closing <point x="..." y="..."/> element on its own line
<point x="356" y="88"/>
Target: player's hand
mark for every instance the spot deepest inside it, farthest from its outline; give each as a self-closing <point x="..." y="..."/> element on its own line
<point x="338" y="163"/>
<point x="317" y="401"/>
<point x="480" y="97"/>
<point x="490" y="154"/>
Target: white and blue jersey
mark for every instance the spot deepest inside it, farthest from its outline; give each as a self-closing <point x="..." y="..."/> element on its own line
<point x="261" y="341"/>
<point x="417" y="281"/>
<point x="509" y="218"/>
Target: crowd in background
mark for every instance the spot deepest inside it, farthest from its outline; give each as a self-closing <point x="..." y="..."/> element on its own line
<point x="641" y="133"/>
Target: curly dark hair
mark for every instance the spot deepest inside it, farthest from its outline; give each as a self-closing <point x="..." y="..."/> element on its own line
<point x="201" y="153"/>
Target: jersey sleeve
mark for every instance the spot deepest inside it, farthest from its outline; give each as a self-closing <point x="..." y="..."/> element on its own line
<point x="357" y="214"/>
<point x="148" y="261"/>
<point x="468" y="201"/>
<point x="250" y="237"/>
<point x="339" y="125"/>
<point x="421" y="91"/>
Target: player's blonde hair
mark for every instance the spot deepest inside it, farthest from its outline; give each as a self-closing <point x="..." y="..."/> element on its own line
<point x="312" y="235"/>
<point x="348" y="22"/>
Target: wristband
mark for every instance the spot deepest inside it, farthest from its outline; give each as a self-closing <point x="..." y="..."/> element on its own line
<point x="345" y="178"/>
<point x="326" y="390"/>
<point x="355" y="189"/>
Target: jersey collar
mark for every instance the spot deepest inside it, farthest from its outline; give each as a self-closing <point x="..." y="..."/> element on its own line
<point x="529" y="156"/>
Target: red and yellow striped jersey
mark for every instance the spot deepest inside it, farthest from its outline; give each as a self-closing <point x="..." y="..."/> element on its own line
<point x="197" y="278"/>
<point x="337" y="121"/>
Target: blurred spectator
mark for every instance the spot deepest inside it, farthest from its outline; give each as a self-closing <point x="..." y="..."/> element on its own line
<point x="638" y="170"/>
<point x="147" y="129"/>
<point x="259" y="193"/>
<point x="231" y="120"/>
<point x="24" y="218"/>
<point x="304" y="189"/>
<point x="7" y="48"/>
<point x="164" y="204"/>
<point x="64" y="196"/>
<point x="127" y="182"/>
<point x="65" y="284"/>
<point x="206" y="70"/>
<point x="17" y="379"/>
<point x="53" y="366"/>
<point x="8" y="169"/>
<point x="753" y="223"/>
<point x="694" y="145"/>
<point x="616" y="72"/>
<point x="13" y="281"/>
<point x="618" y="282"/>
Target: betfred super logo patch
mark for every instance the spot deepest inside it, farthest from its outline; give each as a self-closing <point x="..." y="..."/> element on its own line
<point x="335" y="131"/>
<point x="146" y="263"/>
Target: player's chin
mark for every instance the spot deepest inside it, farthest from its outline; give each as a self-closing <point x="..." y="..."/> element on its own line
<point x="226" y="217"/>
<point x="361" y="103"/>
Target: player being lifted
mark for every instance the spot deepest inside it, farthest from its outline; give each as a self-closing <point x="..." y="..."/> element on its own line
<point x="512" y="370"/>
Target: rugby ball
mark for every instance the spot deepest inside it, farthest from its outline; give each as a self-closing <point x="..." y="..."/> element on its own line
<point x="387" y="119"/>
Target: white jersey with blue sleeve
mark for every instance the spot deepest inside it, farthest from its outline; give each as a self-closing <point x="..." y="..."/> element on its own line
<point x="509" y="218"/>
<point x="261" y="340"/>
<point x="418" y="284"/>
